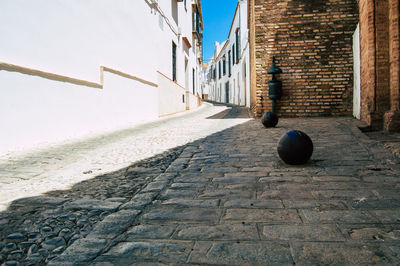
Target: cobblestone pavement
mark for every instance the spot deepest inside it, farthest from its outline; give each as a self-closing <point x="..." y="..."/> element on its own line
<point x="225" y="199"/>
<point x="391" y="140"/>
<point x="40" y="170"/>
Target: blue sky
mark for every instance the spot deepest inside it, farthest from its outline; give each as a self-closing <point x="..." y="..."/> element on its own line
<point x="217" y="18"/>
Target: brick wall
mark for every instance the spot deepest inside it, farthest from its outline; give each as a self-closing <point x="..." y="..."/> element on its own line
<point x="375" y="67"/>
<point x="392" y="117"/>
<point x="312" y="44"/>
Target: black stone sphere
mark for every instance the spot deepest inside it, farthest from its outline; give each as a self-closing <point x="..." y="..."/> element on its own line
<point x="295" y="147"/>
<point x="269" y="119"/>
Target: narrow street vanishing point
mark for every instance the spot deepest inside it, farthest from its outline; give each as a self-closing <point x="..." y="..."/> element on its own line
<point x="223" y="199"/>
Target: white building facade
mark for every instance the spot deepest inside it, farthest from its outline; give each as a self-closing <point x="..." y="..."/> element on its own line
<point x="71" y="68"/>
<point x="228" y="73"/>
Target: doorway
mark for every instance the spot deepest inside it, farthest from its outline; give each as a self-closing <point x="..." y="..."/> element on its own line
<point x="227" y="92"/>
<point x="356" y="74"/>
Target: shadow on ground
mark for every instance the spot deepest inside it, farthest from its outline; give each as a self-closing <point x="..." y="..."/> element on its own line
<point x="35" y="230"/>
<point x="243" y="176"/>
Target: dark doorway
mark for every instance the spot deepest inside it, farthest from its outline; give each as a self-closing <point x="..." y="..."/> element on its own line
<point x="227" y="92"/>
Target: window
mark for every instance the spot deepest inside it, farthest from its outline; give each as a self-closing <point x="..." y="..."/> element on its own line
<point x="174" y="11"/>
<point x="173" y="61"/>
<point x="219" y="69"/>
<point x="224" y="65"/>
<point x="214" y="72"/>
<point x="194" y="81"/>
<point x="237" y="45"/>
<point x="233" y="54"/>
<point x="229" y="63"/>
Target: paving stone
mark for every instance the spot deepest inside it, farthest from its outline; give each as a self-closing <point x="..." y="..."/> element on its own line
<point x="386" y="193"/>
<point x="234" y="179"/>
<point x="301" y="232"/>
<point x="257" y="174"/>
<point x="285" y="178"/>
<point x="139" y="201"/>
<point x="325" y="253"/>
<point x="390" y="179"/>
<point x="187" y="186"/>
<point x="165" y="177"/>
<point x="213" y="170"/>
<point x="190" y="178"/>
<point x="343" y="194"/>
<point x="231" y="253"/>
<point x="185" y="214"/>
<point x="191" y="203"/>
<point x="41" y="200"/>
<point x="264" y="170"/>
<point x="53" y="243"/>
<point x="262" y="215"/>
<point x="114" y="224"/>
<point x="15" y="237"/>
<point x="217" y="232"/>
<point x="335" y="178"/>
<point x="101" y="205"/>
<point x="80" y="252"/>
<point x="337" y="216"/>
<point x="142" y="170"/>
<point x="285" y="194"/>
<point x="172" y="194"/>
<point x="315" y="204"/>
<point x="372" y="232"/>
<point x="149" y="251"/>
<point x="248" y="203"/>
<point x="150" y="232"/>
<point x="155" y="186"/>
<point x="366" y="203"/>
<point x="226" y="193"/>
<point x="387" y="216"/>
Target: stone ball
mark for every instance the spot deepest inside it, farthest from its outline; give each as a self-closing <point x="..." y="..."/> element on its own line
<point x="295" y="147"/>
<point x="269" y="119"/>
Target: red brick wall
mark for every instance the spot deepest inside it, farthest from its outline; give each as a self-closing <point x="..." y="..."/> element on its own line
<point x="375" y="67"/>
<point x="392" y="117"/>
<point x="312" y="43"/>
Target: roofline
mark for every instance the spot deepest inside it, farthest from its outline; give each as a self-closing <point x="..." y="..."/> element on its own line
<point x="233" y="19"/>
<point x="198" y="4"/>
<point x="222" y="49"/>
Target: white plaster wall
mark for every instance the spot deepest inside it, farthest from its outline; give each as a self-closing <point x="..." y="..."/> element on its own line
<point x="73" y="37"/>
<point x="170" y="98"/>
<point x="37" y="111"/>
<point x="193" y="104"/>
<point x="167" y="35"/>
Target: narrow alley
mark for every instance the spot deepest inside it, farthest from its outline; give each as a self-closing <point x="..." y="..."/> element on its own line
<point x="224" y="199"/>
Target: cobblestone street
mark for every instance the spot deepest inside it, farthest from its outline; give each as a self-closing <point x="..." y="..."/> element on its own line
<point x="40" y="170"/>
<point x="223" y="199"/>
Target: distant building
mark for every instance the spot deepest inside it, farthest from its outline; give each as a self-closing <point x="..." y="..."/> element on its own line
<point x="70" y="68"/>
<point x="229" y="68"/>
<point x="204" y="82"/>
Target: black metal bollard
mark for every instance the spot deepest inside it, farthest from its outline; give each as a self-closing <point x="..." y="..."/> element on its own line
<point x="295" y="147"/>
<point x="269" y="119"/>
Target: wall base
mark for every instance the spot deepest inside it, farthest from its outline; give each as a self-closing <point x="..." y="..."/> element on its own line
<point x="392" y="121"/>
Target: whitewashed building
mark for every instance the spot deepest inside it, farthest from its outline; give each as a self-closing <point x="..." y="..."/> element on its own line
<point x="71" y="68"/>
<point x="228" y="74"/>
